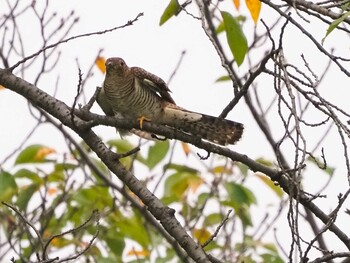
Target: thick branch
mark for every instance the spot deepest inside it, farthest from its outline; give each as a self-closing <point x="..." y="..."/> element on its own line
<point x="62" y="112"/>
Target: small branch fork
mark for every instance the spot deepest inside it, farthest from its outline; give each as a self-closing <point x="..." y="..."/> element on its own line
<point x="44" y="246"/>
<point x="206" y="243"/>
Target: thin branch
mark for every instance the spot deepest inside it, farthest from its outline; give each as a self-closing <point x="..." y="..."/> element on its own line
<point x="217" y="229"/>
<point x="129" y="23"/>
<point x="93" y="218"/>
<point x="41" y="242"/>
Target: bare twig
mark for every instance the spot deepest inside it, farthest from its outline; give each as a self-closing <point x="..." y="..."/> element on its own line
<point x="217" y="229"/>
<point x="129" y="23"/>
<point x="41" y="242"/>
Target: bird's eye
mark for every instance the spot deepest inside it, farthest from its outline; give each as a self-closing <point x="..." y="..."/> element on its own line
<point x="121" y="63"/>
<point x="108" y="63"/>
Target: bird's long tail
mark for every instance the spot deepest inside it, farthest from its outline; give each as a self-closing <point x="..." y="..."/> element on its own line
<point x="217" y="130"/>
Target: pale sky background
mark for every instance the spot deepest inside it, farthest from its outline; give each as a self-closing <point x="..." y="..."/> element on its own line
<point x="157" y="49"/>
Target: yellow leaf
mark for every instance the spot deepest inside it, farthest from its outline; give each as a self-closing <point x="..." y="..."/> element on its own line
<point x="237" y="3"/>
<point x="42" y="153"/>
<point x="201" y="234"/>
<point x="100" y="63"/>
<point x="194" y="183"/>
<point x="60" y="242"/>
<point x="265" y="179"/>
<point x="2" y="87"/>
<point x="47" y="234"/>
<point x="138" y="253"/>
<point x="185" y="148"/>
<point x="52" y="191"/>
<point x="254" y="7"/>
<point x="221" y="169"/>
<point x="265" y="162"/>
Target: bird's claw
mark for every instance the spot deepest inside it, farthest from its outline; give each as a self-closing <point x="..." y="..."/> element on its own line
<point x="141" y="119"/>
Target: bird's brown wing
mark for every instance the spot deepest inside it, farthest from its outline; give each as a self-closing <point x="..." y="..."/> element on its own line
<point x="154" y="83"/>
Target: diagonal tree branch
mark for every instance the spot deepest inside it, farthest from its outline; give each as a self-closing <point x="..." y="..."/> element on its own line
<point x="62" y="112"/>
<point x="165" y="215"/>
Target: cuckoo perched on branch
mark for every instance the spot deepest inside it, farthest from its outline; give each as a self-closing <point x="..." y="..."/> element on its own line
<point x="133" y="93"/>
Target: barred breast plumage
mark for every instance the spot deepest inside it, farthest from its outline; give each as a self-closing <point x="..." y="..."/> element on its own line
<point x="135" y="93"/>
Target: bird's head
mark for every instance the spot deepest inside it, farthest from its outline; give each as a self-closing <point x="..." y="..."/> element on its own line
<point x="116" y="66"/>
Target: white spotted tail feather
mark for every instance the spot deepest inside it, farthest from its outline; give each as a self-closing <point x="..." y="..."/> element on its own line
<point x="217" y="130"/>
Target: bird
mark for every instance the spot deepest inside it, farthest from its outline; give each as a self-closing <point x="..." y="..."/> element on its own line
<point x="136" y="94"/>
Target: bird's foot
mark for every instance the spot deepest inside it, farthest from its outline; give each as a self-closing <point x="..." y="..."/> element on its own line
<point x="141" y="119"/>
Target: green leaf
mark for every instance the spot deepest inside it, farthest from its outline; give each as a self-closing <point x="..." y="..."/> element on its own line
<point x="25" y="194"/>
<point x="240" y="198"/>
<point x="334" y="24"/>
<point x="122" y="146"/>
<point x="244" y="214"/>
<point x="177" y="183"/>
<point x="95" y="197"/>
<point x="214" y="245"/>
<point x="134" y="228"/>
<point x="203" y="198"/>
<point x="180" y="168"/>
<point x="167" y="200"/>
<point x="172" y="9"/>
<point x="34" y="154"/>
<point x="8" y="186"/>
<point x="213" y="219"/>
<point x="223" y="78"/>
<point x="242" y="210"/>
<point x="271" y="247"/>
<point x="65" y="166"/>
<point x="247" y="259"/>
<point x="109" y="259"/>
<point x="25" y="173"/>
<point x="241" y="18"/>
<point x="26" y="252"/>
<point x="156" y="153"/>
<point x="235" y="37"/>
<point x="220" y="28"/>
<point x="240" y="194"/>
<point x="265" y="162"/>
<point x="139" y="260"/>
<point x="115" y="243"/>
<point x="56" y="176"/>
